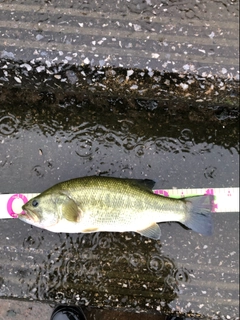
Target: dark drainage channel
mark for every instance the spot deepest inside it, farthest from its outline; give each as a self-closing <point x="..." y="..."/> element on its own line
<point x="132" y="89"/>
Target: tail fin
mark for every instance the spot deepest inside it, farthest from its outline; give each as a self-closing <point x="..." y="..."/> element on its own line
<point x="199" y="216"/>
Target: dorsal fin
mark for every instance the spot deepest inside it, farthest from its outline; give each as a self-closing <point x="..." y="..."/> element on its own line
<point x="144" y="183"/>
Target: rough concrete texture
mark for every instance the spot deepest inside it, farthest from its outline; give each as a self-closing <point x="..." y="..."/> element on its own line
<point x="132" y="48"/>
<point x="175" y="36"/>
<point x="21" y="310"/>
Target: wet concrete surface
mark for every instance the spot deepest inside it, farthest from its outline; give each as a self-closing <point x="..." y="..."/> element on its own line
<point x="136" y="89"/>
<point x="183" y="272"/>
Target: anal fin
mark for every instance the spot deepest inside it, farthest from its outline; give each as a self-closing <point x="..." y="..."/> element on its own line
<point x="89" y="230"/>
<point x="153" y="231"/>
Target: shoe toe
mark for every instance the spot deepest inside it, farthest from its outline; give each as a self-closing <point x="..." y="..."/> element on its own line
<point x="67" y="313"/>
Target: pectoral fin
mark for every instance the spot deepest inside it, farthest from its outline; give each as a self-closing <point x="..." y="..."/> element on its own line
<point x="70" y="211"/>
<point x="68" y="207"/>
<point x="153" y="231"/>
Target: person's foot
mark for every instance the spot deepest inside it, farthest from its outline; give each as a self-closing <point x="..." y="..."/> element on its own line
<point x="64" y="312"/>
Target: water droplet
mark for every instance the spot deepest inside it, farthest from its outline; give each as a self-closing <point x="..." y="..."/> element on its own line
<point x="38" y="171"/>
<point x="110" y="137"/>
<point x="170" y="283"/>
<point x="139" y="151"/>
<point x="104" y="241"/>
<point x="156" y="264"/>
<point x="186" y="135"/>
<point x="84" y="147"/>
<point x="210" y="172"/>
<point x="129" y="143"/>
<point x="136" y="259"/>
<point x="186" y="138"/>
<point x="147" y="104"/>
<point x="49" y="128"/>
<point x="181" y="275"/>
<point x="8" y="124"/>
<point x="167" y="145"/>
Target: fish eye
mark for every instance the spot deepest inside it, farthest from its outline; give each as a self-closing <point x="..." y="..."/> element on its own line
<point x="34" y="203"/>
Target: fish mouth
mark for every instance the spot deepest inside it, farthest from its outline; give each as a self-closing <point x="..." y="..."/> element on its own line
<point x="28" y="214"/>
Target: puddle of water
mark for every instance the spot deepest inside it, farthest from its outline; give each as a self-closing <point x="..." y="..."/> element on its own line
<point x="41" y="145"/>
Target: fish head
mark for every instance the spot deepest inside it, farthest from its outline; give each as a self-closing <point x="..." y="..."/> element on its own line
<point x="40" y="211"/>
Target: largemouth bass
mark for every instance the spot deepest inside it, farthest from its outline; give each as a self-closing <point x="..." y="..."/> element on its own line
<point x="92" y="204"/>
